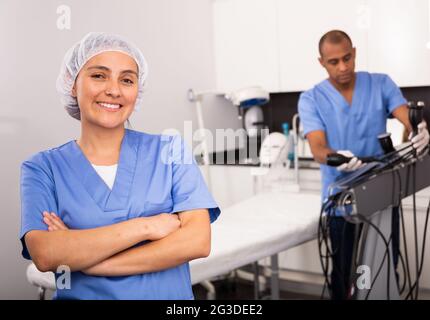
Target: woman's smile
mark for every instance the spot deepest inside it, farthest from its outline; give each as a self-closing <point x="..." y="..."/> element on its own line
<point x="110" y="107"/>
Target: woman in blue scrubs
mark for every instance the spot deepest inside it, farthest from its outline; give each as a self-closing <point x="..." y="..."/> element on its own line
<point x="124" y="210"/>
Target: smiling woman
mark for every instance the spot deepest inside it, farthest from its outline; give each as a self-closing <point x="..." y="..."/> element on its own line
<point x="124" y="210"/>
<point x="106" y="89"/>
<point x="79" y="58"/>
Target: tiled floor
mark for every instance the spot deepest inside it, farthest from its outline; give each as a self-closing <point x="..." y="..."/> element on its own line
<point x="240" y="290"/>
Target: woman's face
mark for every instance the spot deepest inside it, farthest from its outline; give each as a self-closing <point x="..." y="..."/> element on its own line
<point x="106" y="89"/>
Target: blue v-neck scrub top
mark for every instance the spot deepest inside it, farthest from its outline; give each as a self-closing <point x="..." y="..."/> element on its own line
<point x="352" y="127"/>
<point x="156" y="174"/>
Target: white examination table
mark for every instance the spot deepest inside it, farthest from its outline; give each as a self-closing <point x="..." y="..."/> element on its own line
<point x="259" y="227"/>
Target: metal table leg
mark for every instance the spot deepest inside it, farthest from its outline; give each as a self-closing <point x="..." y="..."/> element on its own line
<point x="274" y="277"/>
<point x="256" y="281"/>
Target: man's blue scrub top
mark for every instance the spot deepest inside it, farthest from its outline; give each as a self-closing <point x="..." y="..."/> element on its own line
<point x="352" y="127"/>
<point x="156" y="174"/>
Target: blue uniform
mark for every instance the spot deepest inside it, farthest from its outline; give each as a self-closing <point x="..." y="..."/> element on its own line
<point x="155" y="174"/>
<point x="352" y="127"/>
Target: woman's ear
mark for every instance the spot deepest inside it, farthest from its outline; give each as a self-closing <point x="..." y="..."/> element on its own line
<point x="74" y="91"/>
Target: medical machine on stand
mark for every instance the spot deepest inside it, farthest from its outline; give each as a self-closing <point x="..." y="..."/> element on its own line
<point x="368" y="196"/>
<point x="247" y="100"/>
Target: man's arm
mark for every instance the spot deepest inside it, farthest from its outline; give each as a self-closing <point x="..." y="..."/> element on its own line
<point x="402" y="114"/>
<point x="319" y="148"/>
<point x="191" y="241"/>
<point x="80" y="249"/>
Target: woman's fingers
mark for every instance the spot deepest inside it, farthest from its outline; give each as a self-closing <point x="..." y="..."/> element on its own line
<point x="53" y="222"/>
<point x="47" y="219"/>
<point x="52" y="226"/>
<point x="58" y="221"/>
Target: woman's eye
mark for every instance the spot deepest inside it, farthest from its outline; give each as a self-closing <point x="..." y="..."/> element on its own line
<point x="128" y="81"/>
<point x="97" y="76"/>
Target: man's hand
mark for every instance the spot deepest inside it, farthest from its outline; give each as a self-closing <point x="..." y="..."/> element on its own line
<point x="352" y="165"/>
<point x="421" y="140"/>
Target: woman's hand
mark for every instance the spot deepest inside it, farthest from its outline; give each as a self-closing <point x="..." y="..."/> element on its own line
<point x="158" y="227"/>
<point x="161" y="225"/>
<point x="53" y="222"/>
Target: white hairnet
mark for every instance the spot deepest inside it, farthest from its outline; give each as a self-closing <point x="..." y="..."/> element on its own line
<point x="91" y="45"/>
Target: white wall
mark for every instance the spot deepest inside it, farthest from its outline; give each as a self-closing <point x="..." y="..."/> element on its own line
<point x="177" y="40"/>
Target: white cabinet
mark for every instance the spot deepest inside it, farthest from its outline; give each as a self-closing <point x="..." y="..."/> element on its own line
<point x="246" y="44"/>
<point x="274" y="43"/>
<point x="398" y="35"/>
<point x="302" y="24"/>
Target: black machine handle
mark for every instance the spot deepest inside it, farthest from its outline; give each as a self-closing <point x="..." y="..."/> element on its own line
<point x="416" y="115"/>
<point x="337" y="159"/>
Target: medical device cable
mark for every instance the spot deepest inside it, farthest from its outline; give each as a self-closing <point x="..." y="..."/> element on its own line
<point x="424" y="241"/>
<point x="422" y="250"/>
<point x="414" y="172"/>
<point x="356" y="250"/>
<point x="419" y="261"/>
<point x="387" y="248"/>
<point x="423" y="245"/>
<point x="411" y="287"/>
<point x="405" y="269"/>
<point x="402" y="223"/>
<point x="321" y="238"/>
<point x="402" y="287"/>
<point x="395" y="249"/>
<point x="401" y="158"/>
<point x="323" y="231"/>
<point x="388" y="155"/>
<point x="408" y="272"/>
<point x="415" y="286"/>
<point x="347" y="196"/>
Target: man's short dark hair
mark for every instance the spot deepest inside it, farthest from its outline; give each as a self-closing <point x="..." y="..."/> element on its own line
<point x="334" y="37"/>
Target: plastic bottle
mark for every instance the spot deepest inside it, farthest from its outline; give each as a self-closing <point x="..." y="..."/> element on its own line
<point x="286" y="128"/>
<point x="290" y="139"/>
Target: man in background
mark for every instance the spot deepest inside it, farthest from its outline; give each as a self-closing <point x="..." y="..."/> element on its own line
<point x="345" y="114"/>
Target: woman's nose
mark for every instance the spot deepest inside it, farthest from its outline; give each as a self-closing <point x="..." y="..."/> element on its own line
<point x="112" y="89"/>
